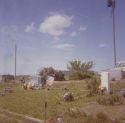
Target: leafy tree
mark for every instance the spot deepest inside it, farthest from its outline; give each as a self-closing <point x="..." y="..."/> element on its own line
<point x="47" y="71"/>
<point x="79" y="70"/>
<point x="59" y="76"/>
<point x="7" y="78"/>
<point x="50" y="71"/>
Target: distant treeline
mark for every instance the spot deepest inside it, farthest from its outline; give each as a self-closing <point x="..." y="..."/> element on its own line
<point x="77" y="70"/>
<point x="6" y="78"/>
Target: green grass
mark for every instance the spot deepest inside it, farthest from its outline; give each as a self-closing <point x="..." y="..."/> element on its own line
<point x="78" y="117"/>
<point x="32" y="102"/>
<point x="6" y="117"/>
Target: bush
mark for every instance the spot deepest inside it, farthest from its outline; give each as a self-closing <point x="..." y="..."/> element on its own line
<point x="93" y="85"/>
<point x="78" y="116"/>
<point x="109" y="99"/>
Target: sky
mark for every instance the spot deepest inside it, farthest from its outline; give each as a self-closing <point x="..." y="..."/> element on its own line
<point x="54" y="32"/>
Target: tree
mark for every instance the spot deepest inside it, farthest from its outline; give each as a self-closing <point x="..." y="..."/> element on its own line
<point x="50" y="71"/>
<point x="79" y="70"/>
<point x="7" y="78"/>
<point x="59" y="76"/>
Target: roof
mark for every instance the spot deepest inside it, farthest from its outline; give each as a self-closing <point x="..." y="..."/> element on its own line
<point x="120" y="66"/>
<point x="115" y="69"/>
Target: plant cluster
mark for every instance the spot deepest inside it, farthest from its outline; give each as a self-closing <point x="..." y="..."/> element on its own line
<point x="78" y="116"/>
<point x="93" y="86"/>
<point x="110" y="99"/>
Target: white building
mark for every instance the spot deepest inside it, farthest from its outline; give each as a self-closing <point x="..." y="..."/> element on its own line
<point x="118" y="72"/>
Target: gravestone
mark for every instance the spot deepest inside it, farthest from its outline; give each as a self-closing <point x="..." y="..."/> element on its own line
<point x="105" y="81"/>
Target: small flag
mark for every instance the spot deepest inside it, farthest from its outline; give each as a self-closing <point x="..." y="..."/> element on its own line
<point x="49" y="80"/>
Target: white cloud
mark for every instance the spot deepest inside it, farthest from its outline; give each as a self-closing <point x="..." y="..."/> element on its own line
<point x="73" y="34"/>
<point x="83" y="28"/>
<point x="63" y="46"/>
<point x="30" y="28"/>
<point x="102" y="45"/>
<point x="55" y="25"/>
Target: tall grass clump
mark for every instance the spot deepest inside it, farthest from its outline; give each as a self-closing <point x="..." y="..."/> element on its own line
<point x="109" y="99"/>
<point x="93" y="86"/>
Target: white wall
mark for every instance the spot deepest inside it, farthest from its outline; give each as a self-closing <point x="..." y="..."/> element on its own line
<point x="115" y="74"/>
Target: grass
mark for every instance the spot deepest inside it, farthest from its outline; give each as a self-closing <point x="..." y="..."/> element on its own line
<point x="7" y="117"/>
<point x="84" y="118"/>
<point x="32" y="102"/>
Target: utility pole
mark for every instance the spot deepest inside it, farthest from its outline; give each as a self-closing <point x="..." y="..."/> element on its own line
<point x="111" y="3"/>
<point x="15" y="59"/>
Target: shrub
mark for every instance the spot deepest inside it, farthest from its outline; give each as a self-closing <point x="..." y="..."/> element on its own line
<point x="92" y="85"/>
<point x="109" y="99"/>
<point x="76" y="116"/>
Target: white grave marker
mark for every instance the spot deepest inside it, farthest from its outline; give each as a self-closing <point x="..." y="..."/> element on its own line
<point x="105" y="81"/>
<point x="50" y="80"/>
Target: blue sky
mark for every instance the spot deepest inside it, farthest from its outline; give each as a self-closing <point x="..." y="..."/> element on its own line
<point x="53" y="32"/>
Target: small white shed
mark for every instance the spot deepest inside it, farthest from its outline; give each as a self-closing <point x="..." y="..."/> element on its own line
<point x="118" y="72"/>
<point x="115" y="74"/>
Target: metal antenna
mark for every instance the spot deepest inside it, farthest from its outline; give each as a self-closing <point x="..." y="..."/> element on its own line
<point x="114" y="39"/>
<point x="111" y="3"/>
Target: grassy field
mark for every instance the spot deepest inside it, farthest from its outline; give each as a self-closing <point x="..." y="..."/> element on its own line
<point x="9" y="117"/>
<point x="31" y="102"/>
